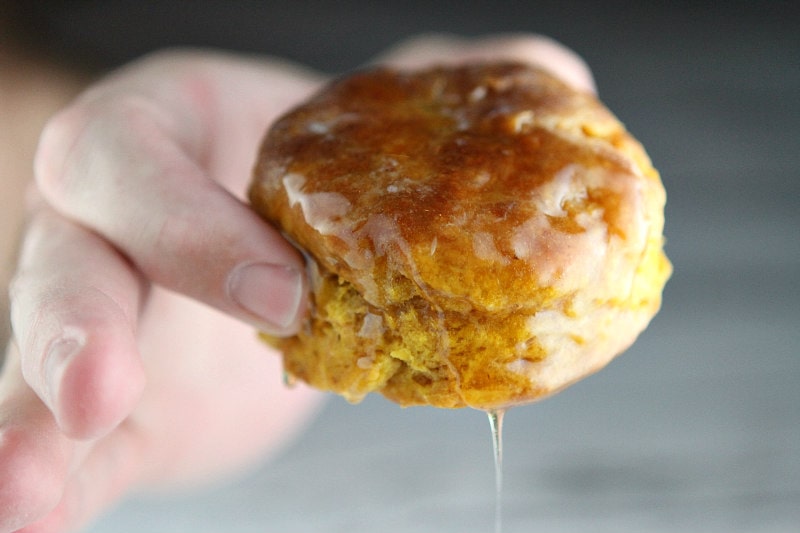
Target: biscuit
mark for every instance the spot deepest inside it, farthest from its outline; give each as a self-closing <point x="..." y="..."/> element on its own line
<point x="478" y="235"/>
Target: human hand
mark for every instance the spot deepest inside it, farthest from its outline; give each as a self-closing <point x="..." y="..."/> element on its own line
<point x="142" y="275"/>
<point x="127" y="383"/>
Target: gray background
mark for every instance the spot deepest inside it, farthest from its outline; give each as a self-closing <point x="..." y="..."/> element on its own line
<point x="697" y="427"/>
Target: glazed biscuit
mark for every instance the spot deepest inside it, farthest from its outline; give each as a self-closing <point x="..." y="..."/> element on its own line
<point x="479" y="235"/>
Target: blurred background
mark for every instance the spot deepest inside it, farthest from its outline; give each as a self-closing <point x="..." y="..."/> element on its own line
<point x="695" y="429"/>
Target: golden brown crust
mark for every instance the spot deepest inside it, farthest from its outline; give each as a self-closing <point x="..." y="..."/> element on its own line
<point x="480" y="235"/>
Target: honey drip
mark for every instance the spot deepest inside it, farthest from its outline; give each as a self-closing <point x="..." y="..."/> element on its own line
<point x="496" y="424"/>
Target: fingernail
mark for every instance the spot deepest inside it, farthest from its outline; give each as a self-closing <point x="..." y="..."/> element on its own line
<point x="271" y="293"/>
<point x="59" y="353"/>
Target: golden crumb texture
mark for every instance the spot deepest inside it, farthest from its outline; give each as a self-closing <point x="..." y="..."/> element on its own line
<point x="479" y="235"/>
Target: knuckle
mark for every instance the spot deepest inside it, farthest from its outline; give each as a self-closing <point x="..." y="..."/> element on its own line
<point x="92" y="141"/>
<point x="34" y="310"/>
<point x="21" y="290"/>
<point x="17" y="286"/>
<point x="52" y="313"/>
<point x="57" y="141"/>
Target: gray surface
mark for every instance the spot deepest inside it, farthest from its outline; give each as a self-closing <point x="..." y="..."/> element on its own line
<point x="695" y="429"/>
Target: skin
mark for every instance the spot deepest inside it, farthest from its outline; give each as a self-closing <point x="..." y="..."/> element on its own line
<point x="142" y="274"/>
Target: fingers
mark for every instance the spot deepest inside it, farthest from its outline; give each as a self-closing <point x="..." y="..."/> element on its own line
<point x="74" y="304"/>
<point x="136" y="161"/>
<point x="49" y="482"/>
<point x="103" y="477"/>
<point x="534" y="49"/>
<point x="132" y="177"/>
<point x="125" y="177"/>
<point x="34" y="456"/>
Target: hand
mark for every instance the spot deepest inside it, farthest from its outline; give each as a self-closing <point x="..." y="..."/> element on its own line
<point x="143" y="274"/>
<point x="126" y="383"/>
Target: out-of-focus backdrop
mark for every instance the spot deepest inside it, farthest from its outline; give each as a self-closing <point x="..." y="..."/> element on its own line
<point x="694" y="429"/>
